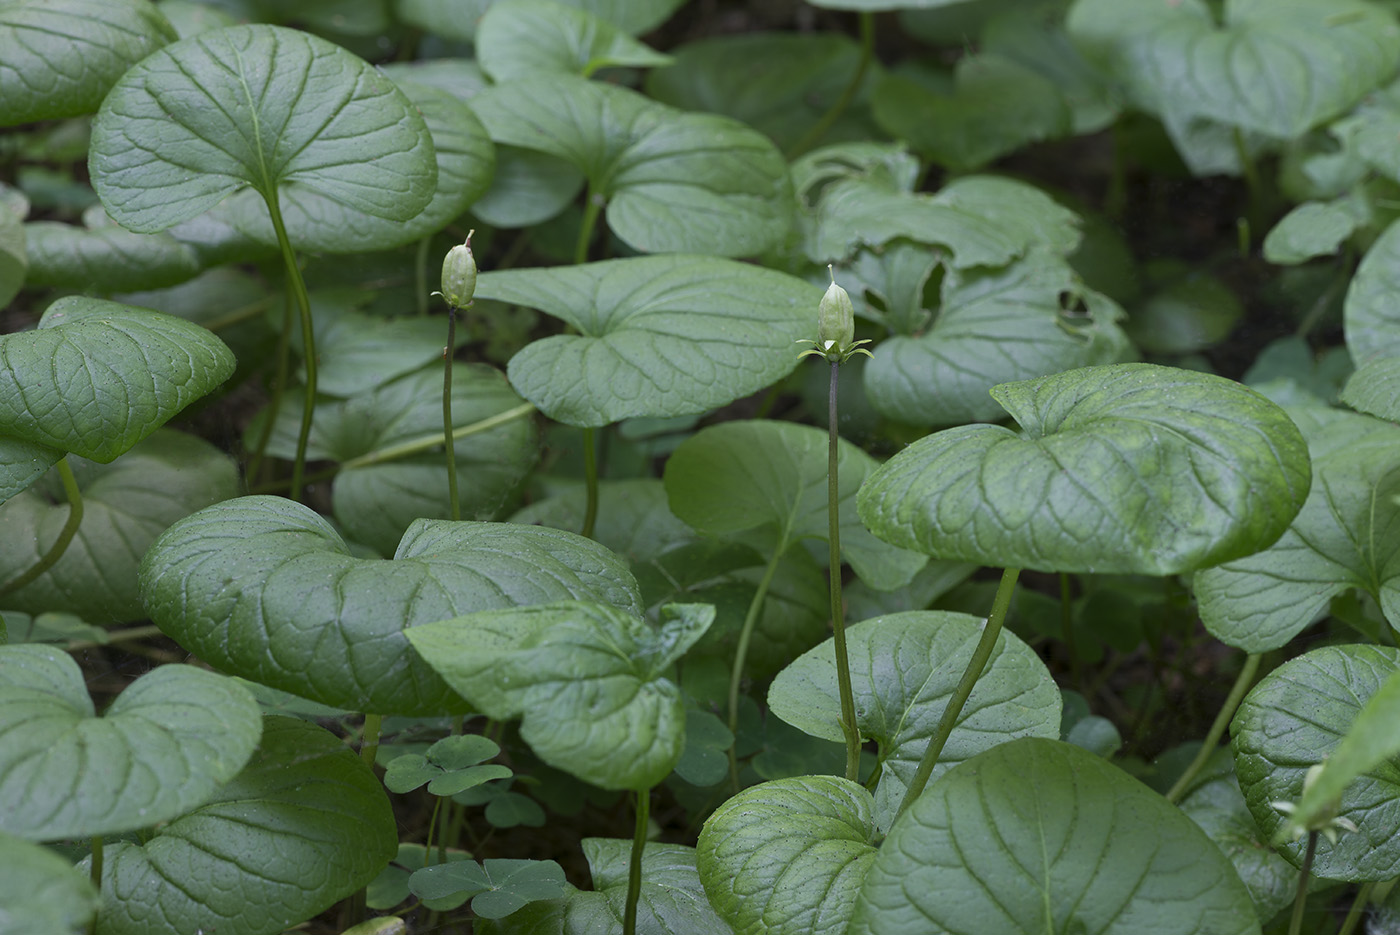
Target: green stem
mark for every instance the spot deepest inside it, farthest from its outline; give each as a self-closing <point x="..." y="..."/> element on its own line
<point x="432" y="827"/>
<point x="848" y="93"/>
<point x="990" y="632"/>
<point x="308" y="341"/>
<point x="369" y="738"/>
<point x="590" y="482"/>
<point x="117" y="636"/>
<point x="1295" y="924"/>
<point x="592" y="205"/>
<point x="634" y="866"/>
<point x="448" y="440"/>
<point x="65" y="535"/>
<point x="838" y="616"/>
<point x="1217" y="728"/>
<point x="1358" y="908"/>
<point x="741" y="655"/>
<point x="1250" y="170"/>
<point x="420" y="274"/>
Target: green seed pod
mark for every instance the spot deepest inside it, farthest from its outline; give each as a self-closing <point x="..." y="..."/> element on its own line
<point x="459" y="275"/>
<point x="836" y="318"/>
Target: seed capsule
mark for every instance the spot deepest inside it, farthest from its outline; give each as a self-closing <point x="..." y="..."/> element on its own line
<point x="836" y="318"/>
<point x="459" y="275"/>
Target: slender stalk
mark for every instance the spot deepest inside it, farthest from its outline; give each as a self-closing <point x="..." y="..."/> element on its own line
<point x="448" y="446"/>
<point x="65" y="535"/>
<point x="1295" y="924"/>
<point x="308" y="341"/>
<point x="592" y="205"/>
<point x="590" y="481"/>
<point x="1250" y="169"/>
<point x="990" y="632"/>
<point x="848" y="93"/>
<point x="634" y="866"/>
<point x="1217" y="728"/>
<point x="741" y="655"/>
<point x="1358" y="908"/>
<point x="838" y="614"/>
<point x="432" y="826"/>
<point x="369" y="738"/>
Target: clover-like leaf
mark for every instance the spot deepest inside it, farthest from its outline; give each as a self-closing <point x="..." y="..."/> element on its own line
<point x="58" y="58"/>
<point x="1219" y="808"/>
<point x="40" y="892"/>
<point x="528" y="37"/>
<point x="1130" y="468"/>
<point x="168" y="741"/>
<point x="449" y="766"/>
<point x="587" y="679"/>
<point x="904" y="668"/>
<point x="1292" y="721"/>
<point x="270" y="116"/>
<point x="304" y="825"/>
<point x="1040" y="836"/>
<point x="264" y="588"/>
<point x="126" y="505"/>
<point x="657" y="336"/>
<point x="1346" y="536"/>
<point x="97" y="376"/>
<point x="788" y="857"/>
<point x="765" y="484"/>
<point x="994" y="326"/>
<point x="496" y="887"/>
<point x="672" y="181"/>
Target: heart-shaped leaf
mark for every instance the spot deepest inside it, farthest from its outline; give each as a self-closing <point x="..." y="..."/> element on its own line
<point x="765" y="484"/>
<point x="526" y="37"/>
<point x="168" y="741"/>
<point x="1041" y="836"/>
<point x="58" y="58"/>
<point x="1131" y="468"/>
<point x="304" y="825"/>
<point x="904" y="668"/>
<point x="587" y="679"/>
<point x="275" y="114"/>
<point x="657" y="336"/>
<point x="97" y="377"/>
<point x="1291" y="721"/>
<point x="529" y="187"/>
<point x="125" y="506"/>
<point x="40" y="892"/>
<point x="264" y="588"/>
<point x="994" y="326"/>
<point x="1346" y="536"/>
<point x="672" y="181"/>
<point x="1219" y="808"/>
<point x="789" y="857"/>
<point x="106" y="259"/>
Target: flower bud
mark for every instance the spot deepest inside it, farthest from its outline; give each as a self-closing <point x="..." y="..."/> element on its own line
<point x="459" y="275"/>
<point x="836" y="318"/>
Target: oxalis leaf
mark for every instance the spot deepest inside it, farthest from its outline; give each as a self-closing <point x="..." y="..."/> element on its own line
<point x="1039" y="836"/>
<point x="165" y="744"/>
<point x="587" y="679"/>
<point x="657" y="336"/>
<point x="765" y="484"/>
<point x="276" y="114"/>
<point x="304" y="825"/>
<point x="789" y="857"/>
<point x="1130" y="469"/>
<point x="264" y="588"/>
<point x="97" y="376"/>
<point x="904" y="668"/>
<point x="40" y="892"/>
<point x="672" y="181"/>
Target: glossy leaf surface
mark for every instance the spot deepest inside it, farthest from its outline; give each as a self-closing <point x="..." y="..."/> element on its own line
<point x="1132" y="468"/>
<point x="40" y="892"/>
<point x="528" y="37"/>
<point x="264" y="588"/>
<point x="168" y="741"/>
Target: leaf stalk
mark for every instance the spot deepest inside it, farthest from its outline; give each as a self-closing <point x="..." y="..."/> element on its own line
<point x="65" y="535"/>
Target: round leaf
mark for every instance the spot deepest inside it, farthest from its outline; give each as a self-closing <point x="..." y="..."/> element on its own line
<point x="1219" y="808"/>
<point x="264" y="588"/>
<point x="164" y="745"/>
<point x="657" y="336"/>
<point x="1130" y="469"/>
<point x="40" y="892"/>
<point x="1040" y="836"/>
<point x="527" y="37"/>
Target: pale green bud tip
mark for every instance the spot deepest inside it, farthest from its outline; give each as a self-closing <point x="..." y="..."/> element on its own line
<point x="836" y="317"/>
<point x="459" y="275"/>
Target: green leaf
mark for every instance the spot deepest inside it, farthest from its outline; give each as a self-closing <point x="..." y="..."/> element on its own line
<point x="21" y="464"/>
<point x="904" y="668"/>
<point x="1375" y="389"/>
<point x="657" y="336"/>
<point x="994" y="326"/>
<point x="532" y="37"/>
<point x="58" y="58"/>
<point x="634" y="519"/>
<point x="1371" y="317"/>
<point x="1294" y="719"/>
<point x="586" y="678"/>
<point x="1130" y="469"/>
<point x="529" y="187"/>
<point x="458" y="19"/>
<point x="391" y="886"/>
<point x="126" y="505"/>
<point x="14" y="260"/>
<point x="704" y="761"/>
<point x="789" y="857"/>
<point x="264" y="588"/>
<point x="40" y="892"/>
<point x="260" y="113"/>
<point x="1274" y="67"/>
<point x="106" y="258"/>
<point x="1219" y="808"/>
<point x="449" y="766"/>
<point x="168" y="741"/>
<point x="1040" y="836"/>
<point x="1024" y="33"/>
<point x="1189" y="312"/>
<point x="496" y="887"/>
<point x="765" y="484"/>
<point x="97" y="377"/>
<point x="1346" y="536"/>
<point x="1316" y="228"/>
<point x="672" y="181"/>
<point x="303" y="826"/>
<point x="995" y="107"/>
